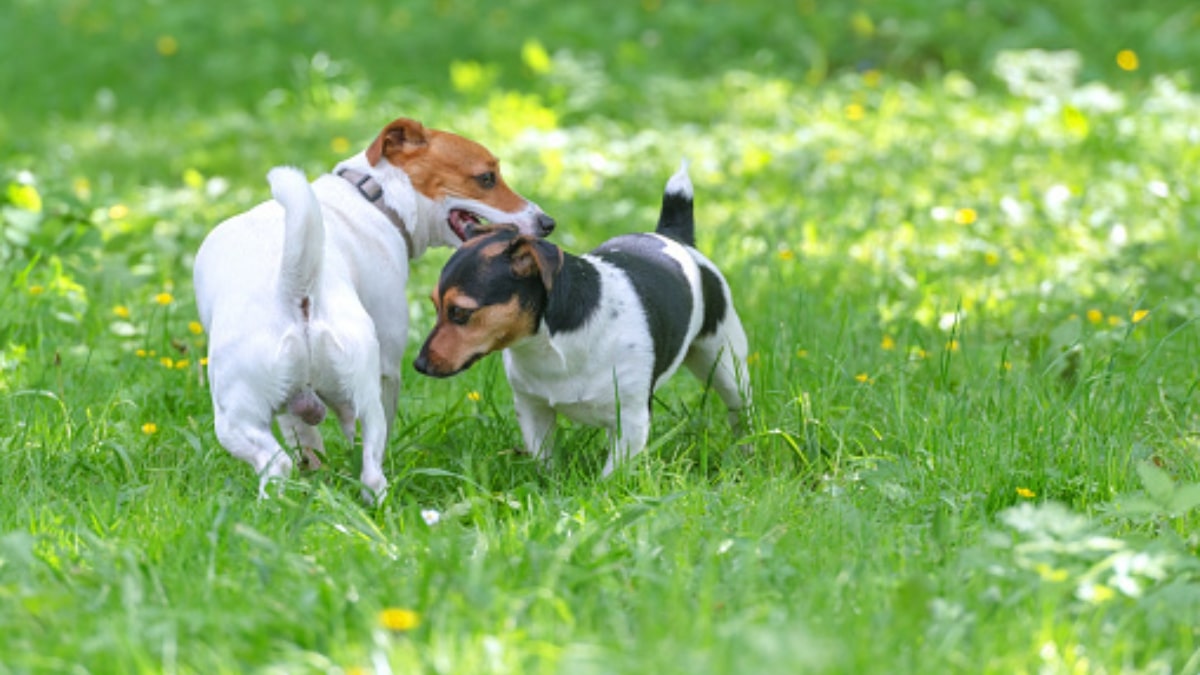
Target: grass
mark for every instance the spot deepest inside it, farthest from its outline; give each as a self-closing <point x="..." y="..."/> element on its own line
<point x="971" y="304"/>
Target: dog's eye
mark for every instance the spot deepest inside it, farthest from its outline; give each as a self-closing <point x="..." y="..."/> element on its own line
<point x="487" y="181"/>
<point x="459" y="315"/>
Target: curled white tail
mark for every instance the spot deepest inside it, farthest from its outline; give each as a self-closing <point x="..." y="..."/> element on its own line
<point x="303" y="234"/>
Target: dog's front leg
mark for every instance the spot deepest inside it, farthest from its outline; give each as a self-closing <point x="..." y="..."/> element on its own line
<point x="537" y="420"/>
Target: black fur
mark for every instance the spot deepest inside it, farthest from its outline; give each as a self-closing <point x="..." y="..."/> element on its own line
<point x="659" y="281"/>
<point x="676" y="219"/>
<point x="575" y="297"/>
<point x="490" y="280"/>
<point x="714" y="300"/>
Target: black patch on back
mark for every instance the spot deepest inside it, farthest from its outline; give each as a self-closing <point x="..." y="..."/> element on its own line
<point x="664" y="291"/>
<point x="714" y="300"/>
<point x="575" y="296"/>
<point x="676" y="220"/>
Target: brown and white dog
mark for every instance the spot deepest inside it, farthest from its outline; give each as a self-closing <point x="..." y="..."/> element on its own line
<point x="303" y="297"/>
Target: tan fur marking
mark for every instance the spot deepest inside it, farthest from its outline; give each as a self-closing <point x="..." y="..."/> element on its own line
<point x="491" y="328"/>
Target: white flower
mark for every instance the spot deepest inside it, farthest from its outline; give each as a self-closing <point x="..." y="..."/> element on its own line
<point x="431" y="516"/>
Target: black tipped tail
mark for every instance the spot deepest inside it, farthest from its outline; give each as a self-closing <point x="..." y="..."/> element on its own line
<point x="676" y="220"/>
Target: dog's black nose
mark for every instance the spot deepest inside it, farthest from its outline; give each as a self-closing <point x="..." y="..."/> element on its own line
<point x="545" y="224"/>
<point x="421" y="364"/>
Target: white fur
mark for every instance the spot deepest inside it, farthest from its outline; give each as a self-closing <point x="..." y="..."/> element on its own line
<point x="601" y="374"/>
<point x="322" y="241"/>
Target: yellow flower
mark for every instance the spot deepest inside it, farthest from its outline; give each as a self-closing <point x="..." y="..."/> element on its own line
<point x="991" y="258"/>
<point x="399" y="620"/>
<point x="195" y="328"/>
<point x="149" y="428"/>
<point x="340" y="145"/>
<point x="802" y="353"/>
<point x="855" y="112"/>
<point x="787" y="254"/>
<point x="1101" y="593"/>
<point x="204" y="361"/>
<point x="917" y="353"/>
<point x="181" y="364"/>
<point x="863" y="378"/>
<point x="82" y="188"/>
<point x="1095" y="316"/>
<point x="474" y="396"/>
<point x="1114" y="321"/>
<point x="952" y="345"/>
<point x="1026" y="493"/>
<point x="871" y="77"/>
<point x="1051" y="573"/>
<point x="141" y="353"/>
<point x="965" y="216"/>
<point x="753" y="359"/>
<point x="164" y="298"/>
<point x="887" y="344"/>
<point x="121" y="311"/>
<point x="1007" y="365"/>
<point x="535" y="56"/>
<point x="193" y="179"/>
<point x="118" y="211"/>
<point x="1140" y="315"/>
<point x="37" y="289"/>
<point x="1127" y="60"/>
<point x="25" y="197"/>
<point x="167" y="362"/>
<point x="166" y="45"/>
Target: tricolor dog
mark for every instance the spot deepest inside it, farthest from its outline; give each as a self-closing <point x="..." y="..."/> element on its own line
<point x="591" y="337"/>
<point x="303" y="296"/>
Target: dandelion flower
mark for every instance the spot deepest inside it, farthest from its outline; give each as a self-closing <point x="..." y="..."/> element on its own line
<point x="399" y="620"/>
<point x="753" y="359"/>
<point x="952" y="345"/>
<point x="1095" y="316"/>
<point x="1140" y="315"/>
<point x="149" y="428"/>
<point x="204" y="361"/>
<point x="787" y="255"/>
<point x="1026" y="493"/>
<point x="1127" y="60"/>
<point x="164" y="298"/>
<point x="474" y="396"/>
<point x="121" y="311"/>
<point x="802" y="353"/>
<point x="991" y="258"/>
<point x="167" y="362"/>
<point x="166" y="45"/>
<point x="1114" y="321"/>
<point x="141" y="353"/>
<point x="118" y="211"/>
<point x="195" y="328"/>
<point x="863" y="378"/>
<point x="965" y="216"/>
<point x="181" y="364"/>
<point x="887" y="344"/>
<point x="855" y="112"/>
<point x="36" y="289"/>
<point x="340" y="145"/>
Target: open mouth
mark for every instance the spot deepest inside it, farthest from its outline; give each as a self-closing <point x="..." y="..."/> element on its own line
<point x="464" y="223"/>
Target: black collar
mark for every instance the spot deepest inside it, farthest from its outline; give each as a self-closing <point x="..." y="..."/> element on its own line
<point x="372" y="191"/>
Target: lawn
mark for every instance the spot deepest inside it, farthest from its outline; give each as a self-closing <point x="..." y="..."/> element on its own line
<point x="962" y="236"/>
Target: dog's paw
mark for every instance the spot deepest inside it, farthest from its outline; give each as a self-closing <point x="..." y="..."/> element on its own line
<point x="310" y="460"/>
<point x="374" y="489"/>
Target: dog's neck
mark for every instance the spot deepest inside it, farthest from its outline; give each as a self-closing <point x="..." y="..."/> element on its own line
<point x="418" y="213"/>
<point x="372" y="191"/>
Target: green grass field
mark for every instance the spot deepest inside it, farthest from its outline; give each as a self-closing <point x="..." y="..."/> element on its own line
<point x="968" y="271"/>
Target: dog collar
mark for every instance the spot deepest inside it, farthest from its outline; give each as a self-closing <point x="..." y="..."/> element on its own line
<point x="372" y="191"/>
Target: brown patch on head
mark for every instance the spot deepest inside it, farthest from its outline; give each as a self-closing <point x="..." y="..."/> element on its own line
<point x="441" y="164"/>
<point x="466" y="332"/>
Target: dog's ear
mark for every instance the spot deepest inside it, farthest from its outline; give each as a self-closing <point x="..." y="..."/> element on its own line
<point x="477" y="229"/>
<point x="401" y="135"/>
<point x="530" y="256"/>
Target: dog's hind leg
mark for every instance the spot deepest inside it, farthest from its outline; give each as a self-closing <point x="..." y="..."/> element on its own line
<point x="720" y="362"/>
<point x="249" y="438"/>
<point x="298" y="433"/>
